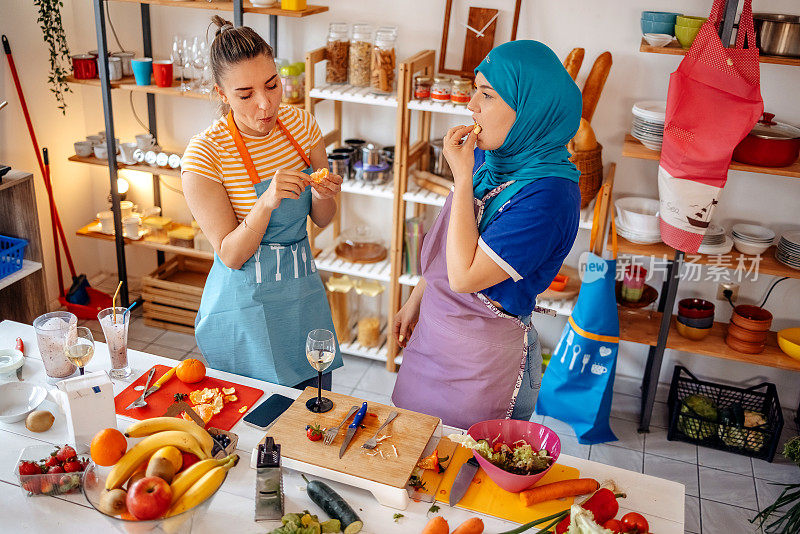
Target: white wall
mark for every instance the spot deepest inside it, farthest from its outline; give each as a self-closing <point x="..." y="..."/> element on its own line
<point x="596" y="26"/>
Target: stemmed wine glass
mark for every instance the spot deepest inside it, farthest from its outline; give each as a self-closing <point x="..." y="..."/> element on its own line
<point x="80" y="349"/>
<point x="200" y="60"/>
<point x="320" y="351"/>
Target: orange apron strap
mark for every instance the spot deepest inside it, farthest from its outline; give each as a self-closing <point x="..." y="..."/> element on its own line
<point x="243" y="152"/>
<point x="296" y="145"/>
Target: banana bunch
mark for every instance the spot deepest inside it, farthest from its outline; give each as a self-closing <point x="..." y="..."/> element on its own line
<point x="198" y="483"/>
<point x="142" y="451"/>
<point x="148" y="427"/>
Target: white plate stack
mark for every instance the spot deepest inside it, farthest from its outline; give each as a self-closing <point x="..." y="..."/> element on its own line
<point x="788" y="251"/>
<point x="715" y="241"/>
<point x="637" y="236"/>
<point x="648" y="123"/>
<point x="751" y="238"/>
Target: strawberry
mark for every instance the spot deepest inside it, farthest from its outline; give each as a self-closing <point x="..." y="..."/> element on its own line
<point x="72" y="466"/>
<point x="65" y="453"/>
<point x="29" y="468"/>
<point x="47" y="487"/>
<point x="55" y="469"/>
<point x="32" y="486"/>
<point x="52" y="461"/>
<point x="314" y="433"/>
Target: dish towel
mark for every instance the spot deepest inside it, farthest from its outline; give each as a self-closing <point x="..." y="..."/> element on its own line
<point x="713" y="101"/>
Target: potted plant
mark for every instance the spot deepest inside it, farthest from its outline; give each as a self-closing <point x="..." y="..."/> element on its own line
<point x="50" y="22"/>
<point x="788" y="519"/>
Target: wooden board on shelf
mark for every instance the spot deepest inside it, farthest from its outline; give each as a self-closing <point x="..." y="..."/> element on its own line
<point x="227" y="5"/>
<point x="642" y="327"/>
<point x="141" y="167"/>
<point x="128" y="83"/>
<point x="147" y="242"/>
<point x="674" y="48"/>
<point x="632" y="148"/>
<point x="572" y="289"/>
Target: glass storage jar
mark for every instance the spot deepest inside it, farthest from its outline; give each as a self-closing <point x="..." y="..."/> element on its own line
<point x="461" y="92"/>
<point x="360" y="55"/>
<point x="293" y="84"/>
<point x="422" y="87"/>
<point x="383" y="62"/>
<point x="338" y="52"/>
<point x="441" y="89"/>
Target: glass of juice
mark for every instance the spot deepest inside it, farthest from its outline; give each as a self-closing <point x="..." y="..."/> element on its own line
<point x="115" y="322"/>
<point x="53" y="330"/>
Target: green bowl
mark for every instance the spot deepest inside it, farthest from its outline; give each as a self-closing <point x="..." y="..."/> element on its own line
<point x="685" y="35"/>
<point x="692" y="22"/>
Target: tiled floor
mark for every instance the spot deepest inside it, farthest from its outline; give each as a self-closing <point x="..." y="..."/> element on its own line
<point x="723" y="490"/>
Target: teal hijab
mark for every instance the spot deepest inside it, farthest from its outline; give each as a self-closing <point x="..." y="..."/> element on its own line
<point x="532" y="81"/>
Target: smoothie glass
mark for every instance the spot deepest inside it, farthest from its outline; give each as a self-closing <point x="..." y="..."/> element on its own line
<point x="116" y="333"/>
<point x="52" y="331"/>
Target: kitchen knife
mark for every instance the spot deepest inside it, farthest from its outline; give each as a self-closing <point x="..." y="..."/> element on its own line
<point x="351" y="430"/>
<point x="463" y="479"/>
<point x="160" y="382"/>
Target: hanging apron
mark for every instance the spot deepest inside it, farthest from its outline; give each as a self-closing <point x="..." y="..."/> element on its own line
<point x="253" y="321"/>
<point x="714" y="100"/>
<point x="466" y="358"/>
<point x="578" y="383"/>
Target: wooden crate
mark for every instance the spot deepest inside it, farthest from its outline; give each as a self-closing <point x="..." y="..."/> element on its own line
<point x="172" y="293"/>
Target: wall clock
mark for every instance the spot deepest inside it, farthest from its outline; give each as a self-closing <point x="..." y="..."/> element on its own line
<point x="480" y="26"/>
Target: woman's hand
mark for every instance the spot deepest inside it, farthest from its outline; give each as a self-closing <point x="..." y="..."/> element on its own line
<point x="329" y="187"/>
<point x="460" y="156"/>
<point x="405" y="320"/>
<point x="285" y="184"/>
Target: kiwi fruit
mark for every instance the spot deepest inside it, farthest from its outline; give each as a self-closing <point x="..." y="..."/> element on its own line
<point x="39" y="421"/>
<point x="112" y="502"/>
<point x="162" y="468"/>
<point x="136" y="477"/>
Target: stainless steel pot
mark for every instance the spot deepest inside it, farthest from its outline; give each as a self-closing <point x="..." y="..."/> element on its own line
<point x="438" y="163"/>
<point x="777" y="35"/>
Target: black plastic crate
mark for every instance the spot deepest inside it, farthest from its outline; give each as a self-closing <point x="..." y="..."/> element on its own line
<point x="692" y="427"/>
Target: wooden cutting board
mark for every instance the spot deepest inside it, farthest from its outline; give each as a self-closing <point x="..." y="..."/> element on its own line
<point x="571" y="290"/>
<point x="486" y="497"/>
<point x="158" y="402"/>
<point x="410" y="433"/>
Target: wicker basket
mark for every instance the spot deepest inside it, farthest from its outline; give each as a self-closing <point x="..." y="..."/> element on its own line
<point x="590" y="165"/>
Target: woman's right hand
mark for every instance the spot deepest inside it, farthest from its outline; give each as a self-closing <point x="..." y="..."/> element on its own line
<point x="405" y="320"/>
<point x="285" y="184"/>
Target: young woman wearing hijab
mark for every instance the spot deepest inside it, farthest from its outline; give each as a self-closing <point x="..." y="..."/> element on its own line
<point x="500" y="239"/>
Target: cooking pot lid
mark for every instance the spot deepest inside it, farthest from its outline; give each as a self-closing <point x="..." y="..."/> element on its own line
<point x="768" y="128"/>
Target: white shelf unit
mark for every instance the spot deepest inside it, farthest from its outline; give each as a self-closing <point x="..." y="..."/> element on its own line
<point x="28" y="267"/>
<point x="378" y="353"/>
<point x="370" y="190"/>
<point x="349" y="93"/>
<point x="439" y="107"/>
<point x="328" y="261"/>
<point x="422" y="196"/>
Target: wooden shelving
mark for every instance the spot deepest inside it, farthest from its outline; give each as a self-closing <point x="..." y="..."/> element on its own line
<point x="674" y="49"/>
<point x="227" y="5"/>
<point x="632" y="148"/>
<point x="147" y="242"/>
<point x="127" y="83"/>
<point x="642" y="327"/>
<point x="767" y="264"/>
<point x="141" y="167"/>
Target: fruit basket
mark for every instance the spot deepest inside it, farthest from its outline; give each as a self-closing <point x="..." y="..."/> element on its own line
<point x="56" y="483"/>
<point x="94" y="480"/>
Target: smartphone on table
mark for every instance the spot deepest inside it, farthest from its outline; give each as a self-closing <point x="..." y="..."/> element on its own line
<point x="265" y="413"/>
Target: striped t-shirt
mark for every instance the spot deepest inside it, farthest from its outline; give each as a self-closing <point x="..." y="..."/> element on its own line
<point x="212" y="154"/>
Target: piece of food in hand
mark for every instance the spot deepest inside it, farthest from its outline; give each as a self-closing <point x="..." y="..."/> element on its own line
<point x="585" y="138"/>
<point x="558" y="490"/>
<point x="473" y="525"/>
<point x="319" y="176"/>
<point x="149" y="498"/>
<point x="112" y="502"/>
<point x="477" y="129"/>
<point x="39" y="421"/>
<point x="437" y="525"/>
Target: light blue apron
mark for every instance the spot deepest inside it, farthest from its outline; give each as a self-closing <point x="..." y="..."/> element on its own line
<point x="253" y="321"/>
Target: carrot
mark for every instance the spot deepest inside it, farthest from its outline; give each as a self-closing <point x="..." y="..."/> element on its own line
<point x="557" y="490"/>
<point x="473" y="525"/>
<point x="437" y="525"/>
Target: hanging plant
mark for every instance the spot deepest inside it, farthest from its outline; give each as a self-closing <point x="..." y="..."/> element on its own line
<point x="50" y="22"/>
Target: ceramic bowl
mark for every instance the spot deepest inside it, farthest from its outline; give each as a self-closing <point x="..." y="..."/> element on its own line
<point x="651" y="26"/>
<point x="18" y="399"/>
<point x="660" y="16"/>
<point x="752" y="317"/>
<point x="753" y="233"/>
<point x="743" y="334"/>
<point x="696" y="308"/>
<point x="686" y="35"/>
<point x="789" y="342"/>
<point x="744" y="346"/>
<point x="703" y="322"/>
<point x="510" y="431"/>
<point x="658" y="39"/>
<point x="83" y="149"/>
<point x="689" y="21"/>
<point x="100" y="151"/>
<point x="639" y="214"/>
<point x="753" y="249"/>
<point x="695" y="334"/>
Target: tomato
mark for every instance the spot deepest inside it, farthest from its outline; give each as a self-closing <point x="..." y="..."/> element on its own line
<point x="636" y="523"/>
<point x="615" y="526"/>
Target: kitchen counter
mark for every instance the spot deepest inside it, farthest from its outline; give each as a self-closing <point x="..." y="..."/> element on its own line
<point x="661" y="501"/>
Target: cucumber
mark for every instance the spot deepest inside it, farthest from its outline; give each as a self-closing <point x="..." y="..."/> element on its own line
<point x="332" y="504"/>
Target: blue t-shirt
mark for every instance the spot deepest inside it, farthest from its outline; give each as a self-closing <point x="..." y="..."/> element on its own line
<point x="529" y="238"/>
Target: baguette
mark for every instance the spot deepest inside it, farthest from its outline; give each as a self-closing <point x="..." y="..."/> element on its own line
<point x="594" y="84"/>
<point x="574" y="61"/>
<point x="585" y="138"/>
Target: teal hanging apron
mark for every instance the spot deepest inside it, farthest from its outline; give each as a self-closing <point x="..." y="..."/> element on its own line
<point x="253" y="321"/>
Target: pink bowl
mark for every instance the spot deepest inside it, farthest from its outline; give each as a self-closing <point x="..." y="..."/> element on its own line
<point x="511" y="430"/>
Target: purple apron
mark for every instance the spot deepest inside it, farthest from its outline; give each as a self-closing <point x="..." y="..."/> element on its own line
<point x="465" y="360"/>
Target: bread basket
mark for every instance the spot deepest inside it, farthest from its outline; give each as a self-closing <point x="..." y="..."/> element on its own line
<point x="590" y="165"/>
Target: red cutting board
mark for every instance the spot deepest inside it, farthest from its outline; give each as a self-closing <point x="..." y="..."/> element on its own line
<point x="158" y="402"/>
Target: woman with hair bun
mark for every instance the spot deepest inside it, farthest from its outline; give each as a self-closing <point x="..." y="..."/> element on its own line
<point x="248" y="182"/>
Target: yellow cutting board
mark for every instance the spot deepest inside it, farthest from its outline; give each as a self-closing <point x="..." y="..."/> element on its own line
<point x="486" y="497"/>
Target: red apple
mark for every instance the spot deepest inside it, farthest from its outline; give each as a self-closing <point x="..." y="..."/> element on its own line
<point x="188" y="459"/>
<point x="149" y="498"/>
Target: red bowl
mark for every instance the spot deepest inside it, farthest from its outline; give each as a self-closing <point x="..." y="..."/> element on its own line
<point x="508" y="431"/>
<point x="695" y="308"/>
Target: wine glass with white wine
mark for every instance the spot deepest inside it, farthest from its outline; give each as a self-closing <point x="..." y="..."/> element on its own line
<point x="81" y="349"/>
<point x="320" y="351"/>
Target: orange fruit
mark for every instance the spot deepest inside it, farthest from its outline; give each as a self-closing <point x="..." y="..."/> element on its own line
<point x="108" y="446"/>
<point x="190" y="371"/>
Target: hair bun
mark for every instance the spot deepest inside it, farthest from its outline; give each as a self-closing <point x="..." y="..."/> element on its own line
<point x="227" y="26"/>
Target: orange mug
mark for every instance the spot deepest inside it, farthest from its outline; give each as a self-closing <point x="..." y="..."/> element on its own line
<point x="162" y="72"/>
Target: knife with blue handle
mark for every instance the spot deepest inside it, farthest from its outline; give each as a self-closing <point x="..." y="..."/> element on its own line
<point x="351" y="430"/>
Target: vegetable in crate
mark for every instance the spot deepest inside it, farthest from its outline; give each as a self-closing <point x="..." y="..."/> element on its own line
<point x="333" y="505"/>
<point x="731" y="419"/>
<point x="701" y="407"/>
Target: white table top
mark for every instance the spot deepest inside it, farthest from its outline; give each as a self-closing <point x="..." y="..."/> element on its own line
<point x="661" y="501"/>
